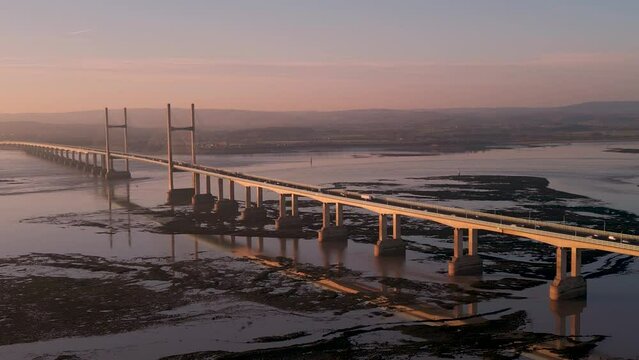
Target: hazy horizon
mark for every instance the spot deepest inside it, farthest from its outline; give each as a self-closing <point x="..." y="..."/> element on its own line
<point x="315" y="56"/>
<point x="182" y="107"/>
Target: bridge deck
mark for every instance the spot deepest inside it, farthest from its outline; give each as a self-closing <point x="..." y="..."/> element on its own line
<point x="543" y="231"/>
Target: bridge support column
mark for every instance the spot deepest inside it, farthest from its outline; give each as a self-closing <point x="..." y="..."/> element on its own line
<point x="253" y="214"/>
<point x="568" y="286"/>
<point x="461" y="263"/>
<point x="227" y="208"/>
<point x="87" y="163"/>
<point x="390" y="246"/>
<point x="286" y="221"/>
<point x="294" y="207"/>
<point x="95" y="168"/>
<point x="231" y="189"/>
<point x="79" y="164"/>
<point x="330" y="232"/>
<point x="103" y="169"/>
<point x="67" y="157"/>
<point x="202" y="202"/>
<point x="260" y="196"/>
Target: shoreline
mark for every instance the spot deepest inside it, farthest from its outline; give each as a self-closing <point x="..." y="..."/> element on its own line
<point x="418" y="149"/>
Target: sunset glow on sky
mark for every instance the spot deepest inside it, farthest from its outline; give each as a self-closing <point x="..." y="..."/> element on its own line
<point x="315" y="55"/>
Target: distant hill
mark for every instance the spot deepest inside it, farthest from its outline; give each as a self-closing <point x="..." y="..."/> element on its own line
<point x="604" y="108"/>
<point x="220" y="119"/>
<point x="426" y="130"/>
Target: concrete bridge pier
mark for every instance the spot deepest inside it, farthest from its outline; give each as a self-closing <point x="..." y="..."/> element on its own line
<point x="465" y="263"/>
<point x="226" y="207"/>
<point x="568" y="286"/>
<point x="67" y="158"/>
<point x="82" y="164"/>
<point x="61" y="158"/>
<point x="202" y="202"/>
<point x="286" y="221"/>
<point x="390" y="246"/>
<point x="86" y="163"/>
<point x="112" y="174"/>
<point x="94" y="168"/>
<point x="330" y="232"/>
<point x="73" y="163"/>
<point x="253" y="214"/>
<point x="98" y="167"/>
<point x="79" y="163"/>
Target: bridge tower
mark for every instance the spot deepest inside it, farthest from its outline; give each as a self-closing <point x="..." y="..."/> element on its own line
<point x="181" y="196"/>
<point x="110" y="172"/>
<point x="201" y="202"/>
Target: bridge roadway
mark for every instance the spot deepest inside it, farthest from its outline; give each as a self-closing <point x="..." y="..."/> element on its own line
<point x="562" y="236"/>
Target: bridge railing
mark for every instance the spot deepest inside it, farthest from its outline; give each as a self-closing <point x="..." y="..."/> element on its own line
<point x="509" y="220"/>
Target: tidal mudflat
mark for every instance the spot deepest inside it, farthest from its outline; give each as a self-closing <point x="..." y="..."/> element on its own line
<point x="121" y="275"/>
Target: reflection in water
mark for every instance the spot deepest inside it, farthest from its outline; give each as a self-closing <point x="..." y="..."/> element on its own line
<point x="172" y="247"/>
<point x="330" y="249"/>
<point x="282" y="247"/>
<point x="109" y="191"/>
<point x="391" y="266"/>
<point x="567" y="313"/>
<point x="465" y="310"/>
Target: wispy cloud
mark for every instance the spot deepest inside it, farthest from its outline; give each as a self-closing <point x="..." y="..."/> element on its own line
<point x="79" y="32"/>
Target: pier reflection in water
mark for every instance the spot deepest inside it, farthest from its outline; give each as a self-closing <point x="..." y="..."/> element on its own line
<point x="567" y="316"/>
<point x="345" y="255"/>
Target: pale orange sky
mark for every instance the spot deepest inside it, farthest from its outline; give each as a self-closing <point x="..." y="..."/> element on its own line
<point x="307" y="56"/>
